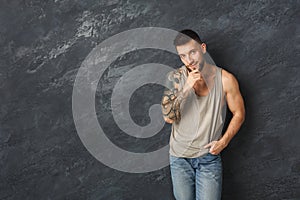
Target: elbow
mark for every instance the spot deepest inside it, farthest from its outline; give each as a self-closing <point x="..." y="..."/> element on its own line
<point x="242" y="119"/>
<point x="240" y="116"/>
<point x="243" y="115"/>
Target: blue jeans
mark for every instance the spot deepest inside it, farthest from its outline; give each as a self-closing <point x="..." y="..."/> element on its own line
<point x="197" y="178"/>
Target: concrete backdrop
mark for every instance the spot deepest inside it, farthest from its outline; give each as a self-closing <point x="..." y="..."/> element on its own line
<point x="43" y="44"/>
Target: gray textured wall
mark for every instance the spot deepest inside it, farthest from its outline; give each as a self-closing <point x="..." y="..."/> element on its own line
<point x="43" y="43"/>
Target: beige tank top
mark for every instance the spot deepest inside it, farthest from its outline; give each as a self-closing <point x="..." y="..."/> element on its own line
<point x="202" y="119"/>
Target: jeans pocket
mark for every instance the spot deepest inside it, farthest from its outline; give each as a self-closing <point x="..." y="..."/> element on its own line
<point x="212" y="157"/>
<point x="210" y="154"/>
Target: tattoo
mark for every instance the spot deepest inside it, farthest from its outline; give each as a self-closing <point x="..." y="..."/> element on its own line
<point x="171" y="106"/>
<point x="172" y="97"/>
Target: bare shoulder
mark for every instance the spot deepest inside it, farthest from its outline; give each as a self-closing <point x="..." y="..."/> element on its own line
<point x="229" y="81"/>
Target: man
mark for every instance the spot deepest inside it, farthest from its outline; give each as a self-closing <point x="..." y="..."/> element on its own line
<point x="195" y="103"/>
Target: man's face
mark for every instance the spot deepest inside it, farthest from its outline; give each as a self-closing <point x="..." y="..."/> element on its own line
<point x="191" y="54"/>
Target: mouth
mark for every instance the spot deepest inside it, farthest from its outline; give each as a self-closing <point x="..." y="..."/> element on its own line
<point x="195" y="66"/>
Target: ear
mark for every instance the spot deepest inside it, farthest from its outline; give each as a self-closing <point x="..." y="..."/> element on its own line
<point x="203" y="47"/>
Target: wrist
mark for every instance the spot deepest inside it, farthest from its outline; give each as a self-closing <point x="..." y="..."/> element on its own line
<point x="225" y="140"/>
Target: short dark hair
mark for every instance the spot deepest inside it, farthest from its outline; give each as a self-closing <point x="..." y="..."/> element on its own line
<point x="185" y="36"/>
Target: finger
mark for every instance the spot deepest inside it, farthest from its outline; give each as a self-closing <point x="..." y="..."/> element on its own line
<point x="208" y="145"/>
<point x="195" y="71"/>
<point x="196" y="76"/>
<point x="216" y="150"/>
<point x="213" y="149"/>
<point x="212" y="145"/>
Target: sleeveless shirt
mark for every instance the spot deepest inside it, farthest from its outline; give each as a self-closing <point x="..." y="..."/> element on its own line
<point x="202" y="119"/>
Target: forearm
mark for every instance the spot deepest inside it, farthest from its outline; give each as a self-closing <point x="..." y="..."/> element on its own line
<point x="233" y="127"/>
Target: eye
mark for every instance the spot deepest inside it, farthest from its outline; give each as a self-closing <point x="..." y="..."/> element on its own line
<point x="182" y="56"/>
<point x="193" y="52"/>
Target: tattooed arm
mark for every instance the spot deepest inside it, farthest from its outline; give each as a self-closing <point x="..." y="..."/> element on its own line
<point x="171" y="101"/>
<point x="174" y="95"/>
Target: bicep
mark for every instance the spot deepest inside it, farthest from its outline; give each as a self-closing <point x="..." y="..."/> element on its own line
<point x="234" y="98"/>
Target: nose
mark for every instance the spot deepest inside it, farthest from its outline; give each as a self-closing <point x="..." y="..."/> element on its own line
<point x="189" y="60"/>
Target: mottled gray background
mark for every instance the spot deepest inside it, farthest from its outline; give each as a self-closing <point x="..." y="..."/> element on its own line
<point x="43" y="43"/>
